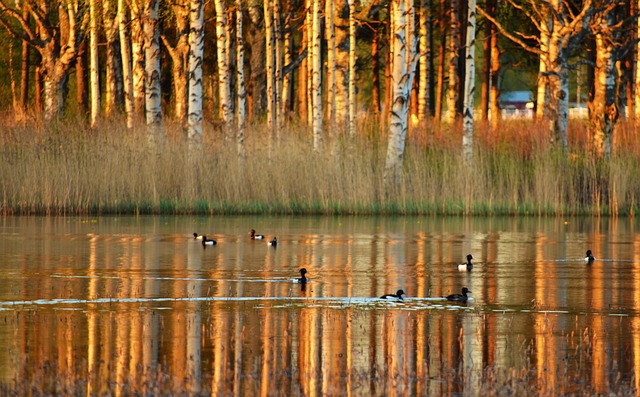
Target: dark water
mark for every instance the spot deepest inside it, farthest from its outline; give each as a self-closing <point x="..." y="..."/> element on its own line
<point x="124" y="304"/>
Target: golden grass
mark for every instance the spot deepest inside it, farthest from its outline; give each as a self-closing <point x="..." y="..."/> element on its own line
<point x="67" y="168"/>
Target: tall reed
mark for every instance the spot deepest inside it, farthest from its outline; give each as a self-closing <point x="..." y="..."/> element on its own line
<point x="68" y="168"/>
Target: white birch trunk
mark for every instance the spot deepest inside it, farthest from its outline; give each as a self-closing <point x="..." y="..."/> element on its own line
<point x="113" y="67"/>
<point x="196" y="52"/>
<point x="277" y="30"/>
<point x="270" y="44"/>
<point x="330" y="31"/>
<point x="242" y="94"/>
<point x="352" y="68"/>
<point x="224" y="85"/>
<point x="604" y="111"/>
<point x="125" y="53"/>
<point x="286" y="79"/>
<point x="469" y="83"/>
<point x="317" y="77"/>
<point x="342" y="53"/>
<point x="403" y="66"/>
<point x="153" y="93"/>
<point x="423" y="84"/>
<point x="454" y="79"/>
<point x="543" y="91"/>
<point x="137" y="52"/>
<point x="94" y="82"/>
<point x="310" y="40"/>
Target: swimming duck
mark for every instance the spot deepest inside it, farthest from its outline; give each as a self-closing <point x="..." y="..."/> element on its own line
<point x="302" y="279"/>
<point x="589" y="258"/>
<point x="206" y="241"/>
<point x="459" y="297"/>
<point x="273" y="242"/>
<point x="466" y="266"/>
<point x="197" y="236"/>
<point x="397" y="295"/>
<point x="255" y="236"/>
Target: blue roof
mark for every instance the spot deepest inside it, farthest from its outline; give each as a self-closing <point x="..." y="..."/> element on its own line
<point x="516" y="96"/>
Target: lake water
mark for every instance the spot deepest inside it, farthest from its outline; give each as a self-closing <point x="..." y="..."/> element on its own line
<point x="119" y="305"/>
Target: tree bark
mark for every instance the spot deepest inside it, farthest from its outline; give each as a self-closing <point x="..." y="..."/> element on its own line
<point x="153" y="92"/>
<point x="330" y="31"/>
<point x="24" y="67"/>
<point x="352" y="68"/>
<point x="469" y="83"/>
<point x="270" y="66"/>
<point x="179" y="53"/>
<point x="196" y="52"/>
<point x="125" y="53"/>
<point x="224" y="83"/>
<point x="242" y="94"/>
<point x="94" y="71"/>
<point x="454" y="77"/>
<point x="317" y="76"/>
<point x="137" y="52"/>
<point x="441" y="61"/>
<point x="426" y="61"/>
<point x="114" y="97"/>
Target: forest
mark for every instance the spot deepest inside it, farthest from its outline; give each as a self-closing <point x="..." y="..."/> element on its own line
<point x="391" y="102"/>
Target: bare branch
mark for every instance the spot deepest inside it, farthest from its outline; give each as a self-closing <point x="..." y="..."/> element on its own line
<point x="508" y="35"/>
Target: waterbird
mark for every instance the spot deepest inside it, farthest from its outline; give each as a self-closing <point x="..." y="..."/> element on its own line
<point x="466" y="266"/>
<point x="302" y="279"/>
<point x="197" y="236"/>
<point x="206" y="241"/>
<point x="589" y="258"/>
<point x="273" y="242"/>
<point x="255" y="236"/>
<point x="397" y="295"/>
<point x="459" y="297"/>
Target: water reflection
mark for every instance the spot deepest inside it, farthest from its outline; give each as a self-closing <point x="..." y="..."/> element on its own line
<point x="123" y="304"/>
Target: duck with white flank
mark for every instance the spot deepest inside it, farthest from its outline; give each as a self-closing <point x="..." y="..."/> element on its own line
<point x="303" y="278"/>
<point x="396" y="296"/>
<point x="255" y="236"/>
<point x="206" y="241"/>
<point x="273" y="242"/>
<point x="197" y="236"/>
<point x="466" y="267"/>
<point x="459" y="297"/>
<point x="589" y="258"/>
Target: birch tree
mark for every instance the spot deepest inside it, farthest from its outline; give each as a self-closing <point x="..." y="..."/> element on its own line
<point x="403" y="66"/>
<point x="316" y="65"/>
<point x="125" y="53"/>
<point x="57" y="39"/>
<point x="270" y="65"/>
<point x="113" y="67"/>
<point x="454" y="76"/>
<point x="330" y="31"/>
<point x="224" y="83"/>
<point x="469" y="84"/>
<point x="568" y="27"/>
<point x="153" y="93"/>
<point x="137" y="57"/>
<point x="94" y="62"/>
<point x="352" y="68"/>
<point x="196" y="52"/>
<point x="637" y="86"/>
<point x="426" y="61"/>
<point x="242" y="94"/>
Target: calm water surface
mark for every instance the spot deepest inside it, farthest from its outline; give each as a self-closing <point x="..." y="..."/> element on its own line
<point x="122" y="304"/>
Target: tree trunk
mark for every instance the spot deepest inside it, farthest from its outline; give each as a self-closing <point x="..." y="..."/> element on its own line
<point x="441" y="60"/>
<point x="242" y="94"/>
<point x="257" y="43"/>
<point x="94" y="72"/>
<point x="494" y="92"/>
<point x="454" y="77"/>
<point x="196" y="51"/>
<point x="342" y="52"/>
<point x="637" y="61"/>
<point x="277" y="64"/>
<point x="153" y="92"/>
<point x="287" y="86"/>
<point x="317" y="76"/>
<point x="330" y="15"/>
<point x="125" y="53"/>
<point x="82" y="78"/>
<point x="404" y="61"/>
<point x="179" y="54"/>
<point x="114" y="97"/>
<point x="270" y="66"/>
<point x="375" y="70"/>
<point x="24" y="67"/>
<point x="489" y="31"/>
<point x="224" y="83"/>
<point x="469" y="83"/>
<point x="138" y="62"/>
<point x="352" y="68"/>
<point x="543" y="81"/>
<point x="426" y="61"/>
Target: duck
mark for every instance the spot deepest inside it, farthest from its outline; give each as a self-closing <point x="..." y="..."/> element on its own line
<point x="466" y="266"/>
<point x="589" y="258"/>
<point x="255" y="236"/>
<point x="273" y="242"/>
<point x="206" y="241"/>
<point x="459" y="297"/>
<point x="397" y="295"/>
<point x="302" y="279"/>
<point x="197" y="236"/>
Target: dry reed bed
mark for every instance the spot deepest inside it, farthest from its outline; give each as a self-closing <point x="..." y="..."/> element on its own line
<point x="67" y="168"/>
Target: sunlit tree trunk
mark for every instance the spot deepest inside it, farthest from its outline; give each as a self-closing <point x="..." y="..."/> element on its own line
<point x="113" y="76"/>
<point x="310" y="65"/>
<point x="342" y="52"/>
<point x="352" y="68"/>
<point x="242" y="94"/>
<point x="277" y="64"/>
<point x="137" y="52"/>
<point x="486" y="61"/>
<point x="494" y="91"/>
<point x="317" y="77"/>
<point x="604" y="112"/>
<point x="94" y="62"/>
<point x="270" y="65"/>
<point x="24" y="67"/>
<point x="179" y="54"/>
<point x="375" y="70"/>
<point x="153" y="93"/>
<point x="82" y="78"/>
<point x="287" y="86"/>
<point x="403" y="66"/>
<point x="330" y="31"/>
<point x="426" y="61"/>
<point x="257" y="56"/>
<point x="469" y="83"/>
<point x="454" y="77"/>
<point x="125" y="51"/>
<point x="441" y="60"/>
<point x="196" y="52"/>
<point x="543" y="89"/>
<point x="224" y="83"/>
<point x="637" y="61"/>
